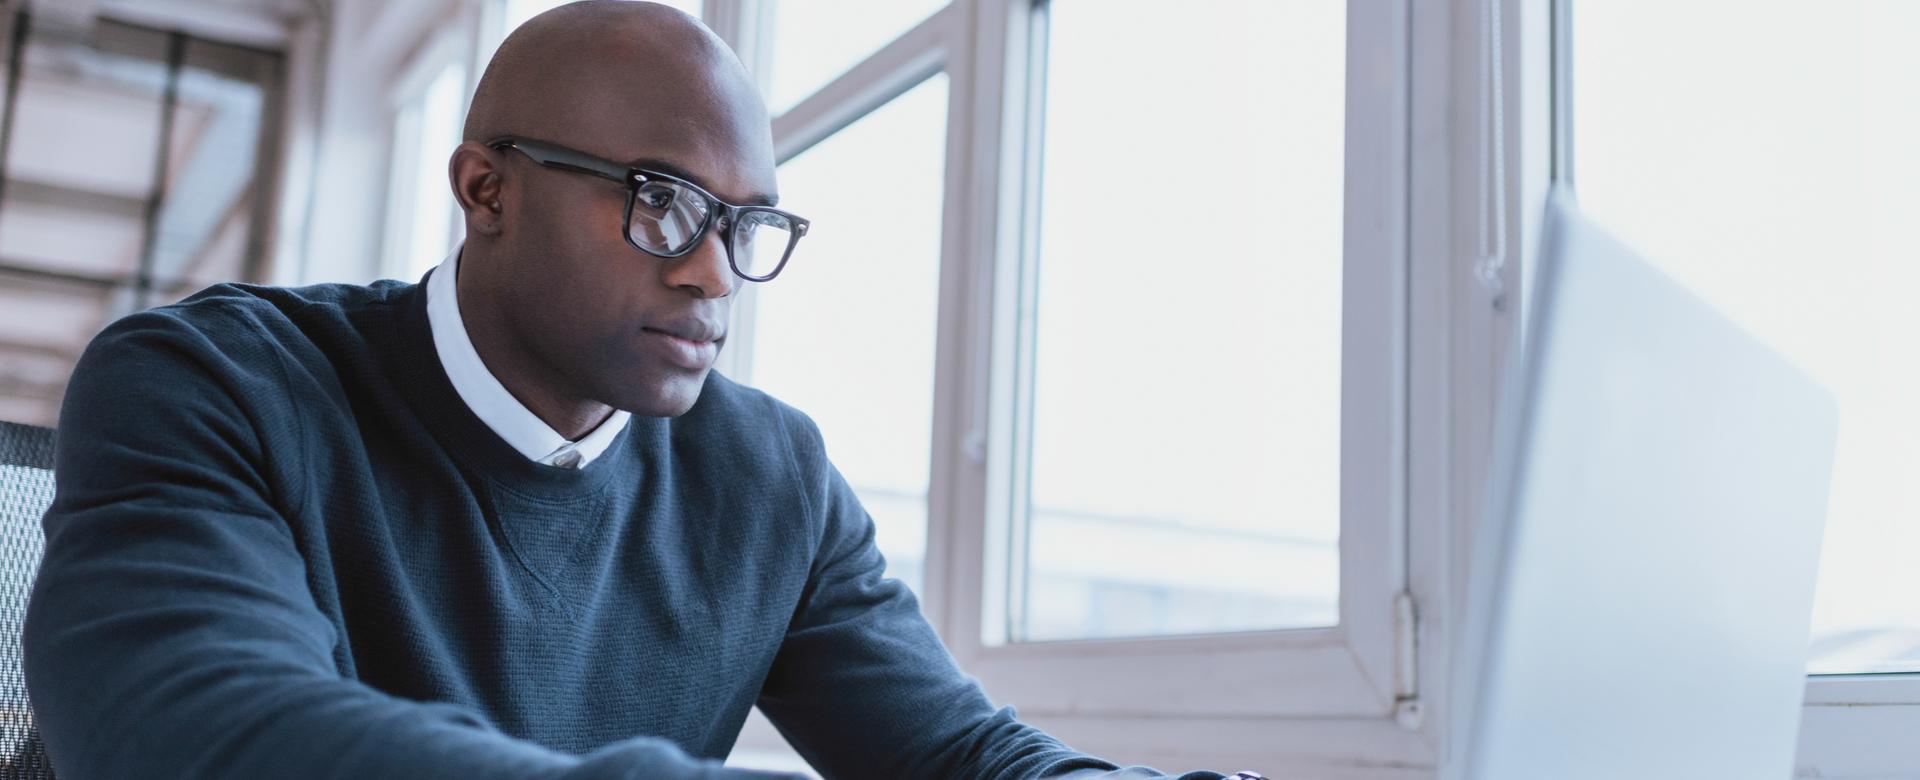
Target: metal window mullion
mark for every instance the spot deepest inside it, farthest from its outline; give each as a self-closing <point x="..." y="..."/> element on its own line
<point x="962" y="477"/>
<point x="150" y="234"/>
<point x="1019" y="509"/>
<point x="1562" y="64"/>
<point x="742" y="25"/>
<point x="975" y="388"/>
<point x="303" y="70"/>
<point x="901" y="65"/>
<point x="16" y="60"/>
<point x="746" y="26"/>
<point x="266" y="174"/>
<point x="98" y="282"/>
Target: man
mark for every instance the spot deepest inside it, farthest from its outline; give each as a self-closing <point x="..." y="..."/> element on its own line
<point x="504" y="523"/>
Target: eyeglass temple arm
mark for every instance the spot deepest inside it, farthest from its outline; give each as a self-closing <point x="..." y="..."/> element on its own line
<point x="557" y="157"/>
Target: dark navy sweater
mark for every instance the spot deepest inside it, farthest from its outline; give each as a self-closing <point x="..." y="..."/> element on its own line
<point x="282" y="547"/>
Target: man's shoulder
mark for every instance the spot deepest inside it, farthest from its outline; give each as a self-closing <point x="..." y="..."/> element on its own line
<point x="238" y="320"/>
<point x="217" y="305"/>
<point x="233" y="346"/>
<point x="223" y="361"/>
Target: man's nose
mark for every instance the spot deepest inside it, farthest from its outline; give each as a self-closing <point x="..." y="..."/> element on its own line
<point x="703" y="271"/>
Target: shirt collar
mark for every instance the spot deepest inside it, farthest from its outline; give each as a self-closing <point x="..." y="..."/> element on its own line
<point x="511" y="420"/>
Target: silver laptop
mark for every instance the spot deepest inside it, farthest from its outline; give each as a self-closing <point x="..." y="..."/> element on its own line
<point x="1643" y="577"/>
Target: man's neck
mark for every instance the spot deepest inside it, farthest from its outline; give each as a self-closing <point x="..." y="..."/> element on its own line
<point x="516" y="365"/>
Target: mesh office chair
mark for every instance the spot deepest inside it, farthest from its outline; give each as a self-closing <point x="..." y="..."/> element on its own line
<point x="26" y="488"/>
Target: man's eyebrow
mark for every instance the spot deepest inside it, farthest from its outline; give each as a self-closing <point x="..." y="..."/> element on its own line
<point x="662" y="166"/>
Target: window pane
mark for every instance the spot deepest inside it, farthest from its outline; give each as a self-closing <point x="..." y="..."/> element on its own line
<point x="424" y="213"/>
<point x="519" y="11"/>
<point x="1782" y="182"/>
<point x="80" y="166"/>
<point x="846" y="332"/>
<point x="80" y="180"/>
<point x="813" y="43"/>
<point x="205" y="221"/>
<point x="1186" y="412"/>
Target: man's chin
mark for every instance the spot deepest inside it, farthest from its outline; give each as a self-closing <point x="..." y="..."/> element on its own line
<point x="662" y="397"/>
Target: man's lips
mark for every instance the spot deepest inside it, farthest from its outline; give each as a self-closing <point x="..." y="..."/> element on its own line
<point x="688" y="329"/>
<point x="690" y="344"/>
<point x="677" y="337"/>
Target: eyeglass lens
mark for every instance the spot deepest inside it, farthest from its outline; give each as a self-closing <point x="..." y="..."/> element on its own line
<point x="667" y="218"/>
<point x="760" y="243"/>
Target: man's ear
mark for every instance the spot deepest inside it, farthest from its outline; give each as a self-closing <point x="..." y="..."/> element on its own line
<point x="475" y="172"/>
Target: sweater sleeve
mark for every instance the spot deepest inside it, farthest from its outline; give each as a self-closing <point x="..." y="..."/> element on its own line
<point x="862" y="686"/>
<point x="171" y="632"/>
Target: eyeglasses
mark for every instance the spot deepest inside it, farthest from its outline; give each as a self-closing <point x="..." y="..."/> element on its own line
<point x="667" y="215"/>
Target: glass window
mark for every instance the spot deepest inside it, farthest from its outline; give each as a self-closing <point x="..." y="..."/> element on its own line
<point x="424" y="218"/>
<point x="813" y="43"/>
<point x="1185" y="435"/>
<point x="94" y="222"/>
<point x="846" y="333"/>
<point x="80" y="165"/>
<point x="1771" y="166"/>
<point x="213" y="199"/>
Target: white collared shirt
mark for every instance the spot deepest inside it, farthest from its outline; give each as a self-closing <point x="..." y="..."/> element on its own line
<point x="489" y="399"/>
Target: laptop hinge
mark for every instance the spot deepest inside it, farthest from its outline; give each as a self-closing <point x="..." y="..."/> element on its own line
<point x="1406" y="666"/>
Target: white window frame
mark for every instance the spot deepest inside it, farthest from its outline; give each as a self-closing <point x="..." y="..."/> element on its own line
<point x="437" y="51"/>
<point x="907" y="61"/>
<point x="1287" y="702"/>
<point x="1860" y="726"/>
<point x="1345" y="699"/>
<point x="1262" y="683"/>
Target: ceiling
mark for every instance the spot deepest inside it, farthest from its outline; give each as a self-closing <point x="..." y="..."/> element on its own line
<point x="80" y="175"/>
<point x="259" y="23"/>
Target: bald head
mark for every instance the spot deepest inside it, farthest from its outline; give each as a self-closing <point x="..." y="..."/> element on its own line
<point x="596" y="72"/>
<point x="563" y="309"/>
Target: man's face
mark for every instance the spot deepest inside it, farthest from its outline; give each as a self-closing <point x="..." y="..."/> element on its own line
<point x="616" y="325"/>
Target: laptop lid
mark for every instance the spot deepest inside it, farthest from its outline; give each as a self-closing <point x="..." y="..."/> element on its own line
<point x="1643" y="575"/>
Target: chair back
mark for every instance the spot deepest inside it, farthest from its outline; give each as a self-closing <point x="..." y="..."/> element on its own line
<point x="26" y="489"/>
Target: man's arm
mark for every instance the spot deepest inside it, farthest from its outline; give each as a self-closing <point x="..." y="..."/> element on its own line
<point x="862" y="686"/>
<point x="171" y="632"/>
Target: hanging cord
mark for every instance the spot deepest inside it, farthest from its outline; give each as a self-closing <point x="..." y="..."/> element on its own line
<point x="1492" y="265"/>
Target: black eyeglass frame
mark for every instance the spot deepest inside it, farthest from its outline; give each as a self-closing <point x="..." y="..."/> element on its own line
<point x="555" y="156"/>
